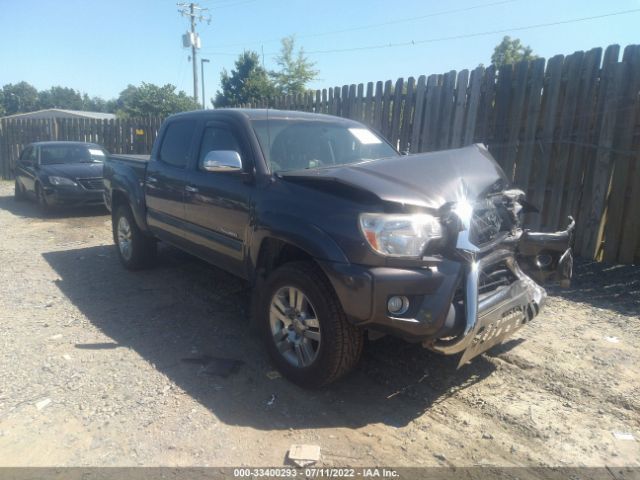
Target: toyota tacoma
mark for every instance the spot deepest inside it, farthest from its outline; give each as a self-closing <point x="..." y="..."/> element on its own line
<point x="339" y="235"/>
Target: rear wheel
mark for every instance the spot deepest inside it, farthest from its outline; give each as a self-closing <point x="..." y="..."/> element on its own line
<point x="304" y="327"/>
<point x="135" y="249"/>
<point x="18" y="192"/>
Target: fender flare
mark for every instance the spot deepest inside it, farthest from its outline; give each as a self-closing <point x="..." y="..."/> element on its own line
<point x="303" y="235"/>
<point x="132" y="191"/>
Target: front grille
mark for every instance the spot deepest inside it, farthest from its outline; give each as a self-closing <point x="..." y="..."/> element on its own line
<point x="494" y="277"/>
<point x="91" y="183"/>
<point x="487" y="222"/>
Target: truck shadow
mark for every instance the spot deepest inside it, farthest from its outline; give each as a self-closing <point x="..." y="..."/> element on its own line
<point x="29" y="209"/>
<point x="185" y="308"/>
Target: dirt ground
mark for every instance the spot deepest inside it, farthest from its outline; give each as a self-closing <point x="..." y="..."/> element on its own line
<point x="93" y="374"/>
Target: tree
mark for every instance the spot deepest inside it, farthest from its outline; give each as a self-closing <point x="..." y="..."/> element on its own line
<point x="511" y="51"/>
<point x="19" y="98"/>
<point x="149" y="99"/>
<point x="248" y="82"/>
<point x="97" y="104"/>
<point x="296" y="70"/>
<point x="60" y="97"/>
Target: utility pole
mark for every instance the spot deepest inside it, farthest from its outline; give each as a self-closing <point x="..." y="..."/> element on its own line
<point x="202" y="62"/>
<point x="193" y="51"/>
<point x="196" y="14"/>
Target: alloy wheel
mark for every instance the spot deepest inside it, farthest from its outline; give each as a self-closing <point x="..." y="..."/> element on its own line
<point x="294" y="326"/>
<point x="124" y="238"/>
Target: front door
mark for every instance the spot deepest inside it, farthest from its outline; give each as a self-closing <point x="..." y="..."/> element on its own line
<point x="25" y="169"/>
<point x="217" y="203"/>
<point x="166" y="180"/>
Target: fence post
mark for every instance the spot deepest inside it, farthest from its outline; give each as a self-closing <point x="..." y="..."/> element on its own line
<point x="602" y="169"/>
<point x="550" y="102"/>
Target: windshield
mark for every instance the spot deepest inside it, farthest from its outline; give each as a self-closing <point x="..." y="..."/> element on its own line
<point x="55" y="154"/>
<point x="299" y="145"/>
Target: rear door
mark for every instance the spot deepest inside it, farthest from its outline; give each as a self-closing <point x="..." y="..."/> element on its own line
<point x="218" y="203"/>
<point x="167" y="177"/>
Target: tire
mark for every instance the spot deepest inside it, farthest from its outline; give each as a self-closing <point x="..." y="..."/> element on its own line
<point x="135" y="249"/>
<point x="18" y="192"/>
<point x="333" y="345"/>
<point x="41" y="200"/>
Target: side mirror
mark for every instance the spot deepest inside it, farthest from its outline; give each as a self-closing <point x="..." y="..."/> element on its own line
<point x="222" y="161"/>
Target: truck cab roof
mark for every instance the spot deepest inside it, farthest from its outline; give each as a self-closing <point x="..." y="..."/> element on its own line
<point x="266" y="114"/>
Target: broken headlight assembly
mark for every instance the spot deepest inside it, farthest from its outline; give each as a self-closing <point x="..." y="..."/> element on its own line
<point x="400" y="235"/>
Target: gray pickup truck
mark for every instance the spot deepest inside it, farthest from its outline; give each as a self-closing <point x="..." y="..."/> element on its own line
<point x="339" y="234"/>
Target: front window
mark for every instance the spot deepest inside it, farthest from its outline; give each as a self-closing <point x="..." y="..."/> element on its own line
<point x="298" y="145"/>
<point x="57" y="154"/>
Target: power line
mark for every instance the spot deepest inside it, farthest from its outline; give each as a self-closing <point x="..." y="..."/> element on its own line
<point x="382" y="24"/>
<point x="215" y="3"/>
<point x="226" y="54"/>
<point x="455" y="37"/>
<point x="232" y="4"/>
<point x="471" y="35"/>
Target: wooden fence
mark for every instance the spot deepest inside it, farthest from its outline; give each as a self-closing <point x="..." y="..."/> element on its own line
<point x="131" y="136"/>
<point x="567" y="131"/>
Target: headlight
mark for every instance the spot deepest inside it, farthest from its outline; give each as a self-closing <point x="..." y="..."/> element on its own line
<point x="61" y="181"/>
<point x="400" y="235"/>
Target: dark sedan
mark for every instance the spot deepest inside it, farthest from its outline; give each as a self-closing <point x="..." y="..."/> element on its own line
<point x="60" y="173"/>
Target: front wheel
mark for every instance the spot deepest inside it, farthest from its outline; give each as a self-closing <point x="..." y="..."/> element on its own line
<point x="41" y="200"/>
<point x="135" y="249"/>
<point x="18" y="192"/>
<point x="305" y="328"/>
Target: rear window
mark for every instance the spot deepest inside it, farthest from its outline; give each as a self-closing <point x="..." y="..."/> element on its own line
<point x="56" y="154"/>
<point x="176" y="143"/>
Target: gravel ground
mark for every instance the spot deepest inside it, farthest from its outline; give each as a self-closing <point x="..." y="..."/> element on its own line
<point x="93" y="371"/>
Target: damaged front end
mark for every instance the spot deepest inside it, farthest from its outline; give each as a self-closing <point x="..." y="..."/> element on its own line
<point x="505" y="266"/>
<point x="449" y="262"/>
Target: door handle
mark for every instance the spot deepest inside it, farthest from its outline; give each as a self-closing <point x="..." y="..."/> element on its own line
<point x="191" y="189"/>
<point x="152" y="180"/>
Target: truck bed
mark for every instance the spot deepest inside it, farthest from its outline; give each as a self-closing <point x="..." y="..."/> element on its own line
<point x="121" y="163"/>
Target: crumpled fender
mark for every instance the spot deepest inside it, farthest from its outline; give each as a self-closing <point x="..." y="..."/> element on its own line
<point x="548" y="256"/>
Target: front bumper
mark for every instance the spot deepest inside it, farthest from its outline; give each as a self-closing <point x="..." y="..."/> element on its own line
<point x="364" y="293"/>
<point x="491" y="318"/>
<point x="72" y="196"/>
<point x="451" y="311"/>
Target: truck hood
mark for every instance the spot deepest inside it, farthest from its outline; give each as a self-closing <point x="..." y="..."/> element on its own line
<point x="427" y="180"/>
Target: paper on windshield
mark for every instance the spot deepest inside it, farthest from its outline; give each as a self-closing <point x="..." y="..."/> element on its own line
<point x="94" y="151"/>
<point x="364" y="136"/>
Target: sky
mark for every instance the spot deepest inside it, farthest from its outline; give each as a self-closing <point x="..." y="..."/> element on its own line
<point x="99" y="47"/>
